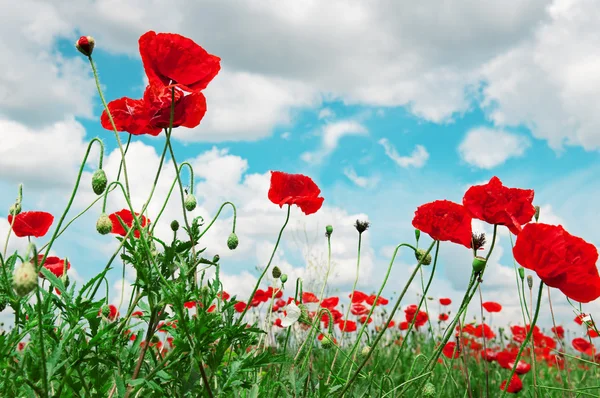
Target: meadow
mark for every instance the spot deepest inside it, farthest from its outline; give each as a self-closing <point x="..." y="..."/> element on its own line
<point x="183" y="335"/>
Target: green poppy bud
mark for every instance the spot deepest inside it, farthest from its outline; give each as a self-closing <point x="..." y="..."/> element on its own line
<point x="174" y="225"/>
<point x="328" y="230"/>
<point x="99" y="182"/>
<point x="537" y="213"/>
<point x="104" y="224"/>
<point x="478" y="264"/>
<point x="365" y="351"/>
<point x="216" y="258"/>
<point x="15" y="209"/>
<point x="232" y="241"/>
<point x="429" y="390"/>
<point x="417" y="235"/>
<point x="190" y="202"/>
<point x="25" y="279"/>
<point x="283" y="278"/>
<point x="419" y="255"/>
<point x="276" y="272"/>
<point x="522" y="273"/>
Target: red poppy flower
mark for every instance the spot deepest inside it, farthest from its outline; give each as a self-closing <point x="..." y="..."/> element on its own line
<point x="240" y="306"/>
<point x="492" y="306"/>
<point x="358" y="296"/>
<point x="31" y="223"/>
<point x="189" y="304"/>
<point x="560" y="259"/>
<point x="113" y="313"/>
<point x="579" y="319"/>
<point x="364" y="319"/>
<point x="170" y="58"/>
<point x="443" y="317"/>
<point x="151" y="114"/>
<point x="559" y="331"/>
<point x="484" y="330"/>
<point x="276" y="293"/>
<point x="359" y="309"/>
<point x="445" y="301"/>
<point x="308" y="297"/>
<point x="278" y="323"/>
<point x="403" y="325"/>
<point x="347" y="326"/>
<point x="592" y="333"/>
<point x="224" y="295"/>
<point x="127" y="218"/>
<point x="54" y="265"/>
<point x="380" y="301"/>
<point x="583" y="346"/>
<point x="295" y="189"/>
<point x="446" y="221"/>
<point x="450" y="350"/>
<point x="421" y="316"/>
<point x="496" y="204"/>
<point x="514" y="386"/>
<point x="489" y="355"/>
<point x="137" y="314"/>
<point x="330" y="302"/>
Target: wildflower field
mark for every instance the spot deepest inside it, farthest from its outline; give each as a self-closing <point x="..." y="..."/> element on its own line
<point x="181" y="334"/>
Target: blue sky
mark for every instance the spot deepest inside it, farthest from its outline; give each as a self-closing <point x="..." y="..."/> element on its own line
<point x="383" y="117"/>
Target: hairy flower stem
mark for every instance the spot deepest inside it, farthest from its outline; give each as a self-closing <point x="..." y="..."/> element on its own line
<point x="561" y="340"/>
<point x="485" y="364"/>
<point x="287" y="218"/>
<point x="392" y="313"/>
<point x="349" y="307"/>
<point x="527" y="337"/>
<point x="41" y="335"/>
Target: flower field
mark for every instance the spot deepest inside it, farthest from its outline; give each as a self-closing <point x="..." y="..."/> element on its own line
<point x="180" y="333"/>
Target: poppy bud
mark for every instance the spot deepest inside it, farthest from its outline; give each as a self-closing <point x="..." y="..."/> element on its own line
<point x="417" y="235"/>
<point x="530" y="281"/>
<point x="204" y="291"/>
<point x="429" y="390"/>
<point x="85" y="45"/>
<point x="304" y="318"/>
<point x="420" y="253"/>
<point x="190" y="202"/>
<point x="365" y="351"/>
<point x="15" y="209"/>
<point x="99" y="181"/>
<point x="216" y="258"/>
<point x="522" y="273"/>
<point x="232" y="241"/>
<point x="276" y="272"/>
<point x="328" y="230"/>
<point x="537" y="213"/>
<point x="105" y="311"/>
<point x="25" y="279"/>
<point x="283" y="278"/>
<point x="104" y="224"/>
<point x="174" y="225"/>
<point x="326" y="341"/>
<point x="478" y="264"/>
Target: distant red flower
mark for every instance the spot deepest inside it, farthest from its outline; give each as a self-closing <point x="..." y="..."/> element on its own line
<point x="276" y="293"/>
<point x="489" y="355"/>
<point x="560" y="259"/>
<point x="445" y="221"/>
<point x="170" y="58"/>
<point x="31" y="223"/>
<point x="54" y="265"/>
<point x="113" y="313"/>
<point x="484" y="330"/>
<point x="559" y="331"/>
<point x="359" y="309"/>
<point x="579" y="319"/>
<point x="403" y="325"/>
<point x="295" y="189"/>
<point x="330" y="302"/>
<point x="583" y="346"/>
<point x="347" y="326"/>
<point x="137" y="314"/>
<point x="308" y="297"/>
<point x="364" y="319"/>
<point x="380" y="301"/>
<point x="496" y="204"/>
<point x="278" y="323"/>
<point x="240" y="306"/>
<point x="358" y="296"/>
<point x="127" y="218"/>
<point x="445" y="301"/>
<point x="514" y="386"/>
<point x="189" y="304"/>
<point x="592" y="333"/>
<point x="411" y="312"/>
<point x="224" y="296"/>
<point x="450" y="350"/>
<point x="151" y="114"/>
<point x="492" y="306"/>
<point x="443" y="317"/>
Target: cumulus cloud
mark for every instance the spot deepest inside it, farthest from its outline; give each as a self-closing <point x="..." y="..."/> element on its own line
<point x="331" y="134"/>
<point x="487" y="148"/>
<point x="362" y="182"/>
<point x="416" y="159"/>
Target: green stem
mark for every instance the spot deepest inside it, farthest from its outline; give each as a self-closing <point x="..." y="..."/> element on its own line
<point x="41" y="330"/>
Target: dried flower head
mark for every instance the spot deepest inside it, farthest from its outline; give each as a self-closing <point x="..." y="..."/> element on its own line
<point x="361" y="226"/>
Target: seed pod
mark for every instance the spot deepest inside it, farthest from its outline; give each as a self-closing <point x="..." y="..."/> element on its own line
<point x="276" y="272"/>
<point x="420" y="253"/>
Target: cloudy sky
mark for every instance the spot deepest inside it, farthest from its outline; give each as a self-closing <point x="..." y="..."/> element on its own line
<point x="385" y="106"/>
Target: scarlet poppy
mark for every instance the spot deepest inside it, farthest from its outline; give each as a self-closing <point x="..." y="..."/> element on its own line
<point x="240" y="306"/>
<point x="347" y="326"/>
<point x="127" y="218"/>
<point x="151" y="114"/>
<point x="189" y="304"/>
<point x="496" y="204"/>
<point x="31" y="223"/>
<point x="380" y="300"/>
<point x="278" y="323"/>
<point x="330" y="302"/>
<point x="411" y="313"/>
<point x="450" y="350"/>
<point x="403" y="325"/>
<point x="583" y="346"/>
<point x="484" y="330"/>
<point x="54" y="265"/>
<point x="559" y="331"/>
<point x="445" y="301"/>
<point x="308" y="297"/>
<point x="489" y="355"/>
<point x="443" y="317"/>
<point x="592" y="333"/>
<point x="358" y="296"/>
<point x="514" y="386"/>
<point x="492" y="306"/>
<point x="295" y="189"/>
<point x="444" y="220"/>
<point x="560" y="259"/>
<point x="364" y="319"/>
<point x="170" y="58"/>
<point x="359" y="309"/>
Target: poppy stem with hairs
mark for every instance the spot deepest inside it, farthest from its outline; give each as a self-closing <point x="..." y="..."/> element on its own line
<point x="392" y="313"/>
<point x="41" y="331"/>
<point x="287" y="218"/>
<point x="112" y="122"/>
<point x="527" y="337"/>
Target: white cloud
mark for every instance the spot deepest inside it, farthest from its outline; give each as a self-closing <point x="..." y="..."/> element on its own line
<point x="363" y="182"/>
<point x="331" y="135"/>
<point x="326" y="113"/>
<point x="417" y="158"/>
<point x="286" y="135"/>
<point x="487" y="148"/>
